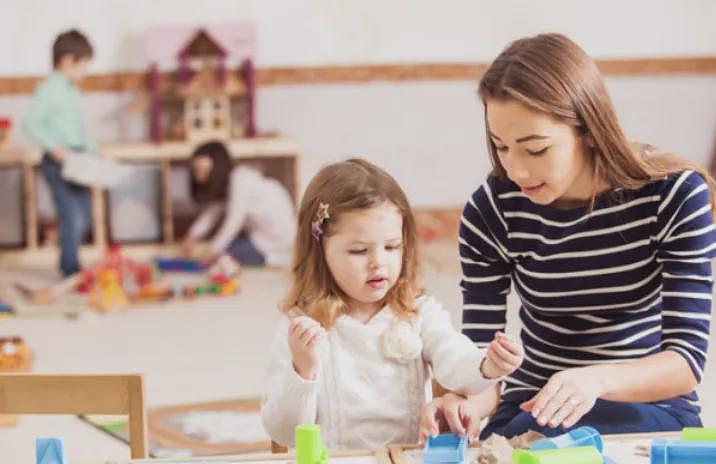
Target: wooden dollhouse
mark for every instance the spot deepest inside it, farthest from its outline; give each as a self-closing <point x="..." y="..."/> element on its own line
<point x="202" y="100"/>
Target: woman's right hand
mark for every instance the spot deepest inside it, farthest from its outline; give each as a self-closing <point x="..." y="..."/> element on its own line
<point x="304" y="334"/>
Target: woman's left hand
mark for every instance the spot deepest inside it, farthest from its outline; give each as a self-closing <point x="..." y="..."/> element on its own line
<point x="567" y="396"/>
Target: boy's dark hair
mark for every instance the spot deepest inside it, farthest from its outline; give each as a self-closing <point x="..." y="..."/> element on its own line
<point x="73" y="43"/>
<point x="217" y="185"/>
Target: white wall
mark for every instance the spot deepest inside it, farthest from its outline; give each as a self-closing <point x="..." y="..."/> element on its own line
<point x="428" y="134"/>
<point x="317" y="32"/>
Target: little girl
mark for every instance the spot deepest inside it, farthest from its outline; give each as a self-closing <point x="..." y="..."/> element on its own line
<point x="359" y="342"/>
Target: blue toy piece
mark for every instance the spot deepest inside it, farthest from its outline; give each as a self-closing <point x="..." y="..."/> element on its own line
<point x="670" y="451"/>
<point x="582" y="436"/>
<point x="179" y="265"/>
<point x="4" y="308"/>
<point x="49" y="451"/>
<point x="446" y="448"/>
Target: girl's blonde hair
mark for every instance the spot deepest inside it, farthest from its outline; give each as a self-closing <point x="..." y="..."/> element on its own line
<point x="552" y="74"/>
<point x="347" y="186"/>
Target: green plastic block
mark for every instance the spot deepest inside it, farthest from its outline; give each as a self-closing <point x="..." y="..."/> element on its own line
<point x="309" y="446"/>
<point x="698" y="434"/>
<point x="581" y="455"/>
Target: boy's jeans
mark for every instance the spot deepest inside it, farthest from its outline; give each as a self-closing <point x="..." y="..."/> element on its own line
<point x="73" y="207"/>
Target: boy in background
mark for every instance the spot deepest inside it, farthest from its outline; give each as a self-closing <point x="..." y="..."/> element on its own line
<point x="55" y="123"/>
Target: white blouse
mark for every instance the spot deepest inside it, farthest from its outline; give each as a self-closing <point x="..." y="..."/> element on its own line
<point x="366" y="394"/>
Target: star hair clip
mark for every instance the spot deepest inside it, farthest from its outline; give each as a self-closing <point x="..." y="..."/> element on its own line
<point x="322" y="218"/>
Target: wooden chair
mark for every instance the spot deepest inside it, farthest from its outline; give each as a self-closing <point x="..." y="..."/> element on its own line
<point x="79" y="394"/>
<point x="438" y="391"/>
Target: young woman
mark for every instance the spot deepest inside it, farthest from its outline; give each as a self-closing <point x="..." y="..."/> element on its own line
<point x="609" y="248"/>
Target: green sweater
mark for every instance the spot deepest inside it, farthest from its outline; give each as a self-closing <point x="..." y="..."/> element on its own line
<point x="54" y="118"/>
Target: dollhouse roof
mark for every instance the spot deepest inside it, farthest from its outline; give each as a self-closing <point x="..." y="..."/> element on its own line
<point x="202" y="44"/>
<point x="164" y="44"/>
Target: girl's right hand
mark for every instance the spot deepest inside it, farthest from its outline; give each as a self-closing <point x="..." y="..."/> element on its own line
<point x="452" y="412"/>
<point x="187" y="246"/>
<point x="504" y="356"/>
<point x="304" y="334"/>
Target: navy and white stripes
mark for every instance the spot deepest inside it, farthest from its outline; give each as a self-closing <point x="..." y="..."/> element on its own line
<point x="626" y="280"/>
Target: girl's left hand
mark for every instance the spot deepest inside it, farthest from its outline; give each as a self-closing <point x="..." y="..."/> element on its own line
<point x="207" y="259"/>
<point x="567" y="396"/>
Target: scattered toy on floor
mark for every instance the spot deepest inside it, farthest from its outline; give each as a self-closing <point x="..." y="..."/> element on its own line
<point x="118" y="280"/>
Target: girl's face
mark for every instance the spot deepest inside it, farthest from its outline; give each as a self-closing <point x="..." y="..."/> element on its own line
<point x="364" y="254"/>
<point x="201" y="168"/>
<point x="542" y="155"/>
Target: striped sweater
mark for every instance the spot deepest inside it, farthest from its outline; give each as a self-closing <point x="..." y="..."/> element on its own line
<point x="630" y="279"/>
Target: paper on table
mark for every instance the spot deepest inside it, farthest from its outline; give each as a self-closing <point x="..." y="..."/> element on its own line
<point x="91" y="170"/>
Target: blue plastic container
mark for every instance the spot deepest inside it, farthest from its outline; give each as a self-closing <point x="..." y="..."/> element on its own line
<point x="671" y="451"/>
<point x="582" y="436"/>
<point x="447" y="448"/>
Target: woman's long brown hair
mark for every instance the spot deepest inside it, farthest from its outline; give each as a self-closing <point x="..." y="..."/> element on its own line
<point x="552" y="74"/>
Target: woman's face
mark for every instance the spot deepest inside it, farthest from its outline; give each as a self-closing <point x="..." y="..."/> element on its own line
<point x="201" y="168"/>
<point x="541" y="154"/>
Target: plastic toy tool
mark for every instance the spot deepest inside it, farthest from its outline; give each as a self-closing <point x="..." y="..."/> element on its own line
<point x="447" y="448"/>
<point x="670" y="451"/>
<point x="309" y="446"/>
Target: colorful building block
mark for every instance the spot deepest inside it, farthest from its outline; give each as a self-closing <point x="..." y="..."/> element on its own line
<point x="698" y="434"/>
<point x="49" y="451"/>
<point x="581" y="455"/>
<point x="582" y="436"/>
<point x="446" y="448"/>
<point x="670" y="451"/>
<point x="309" y="446"/>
